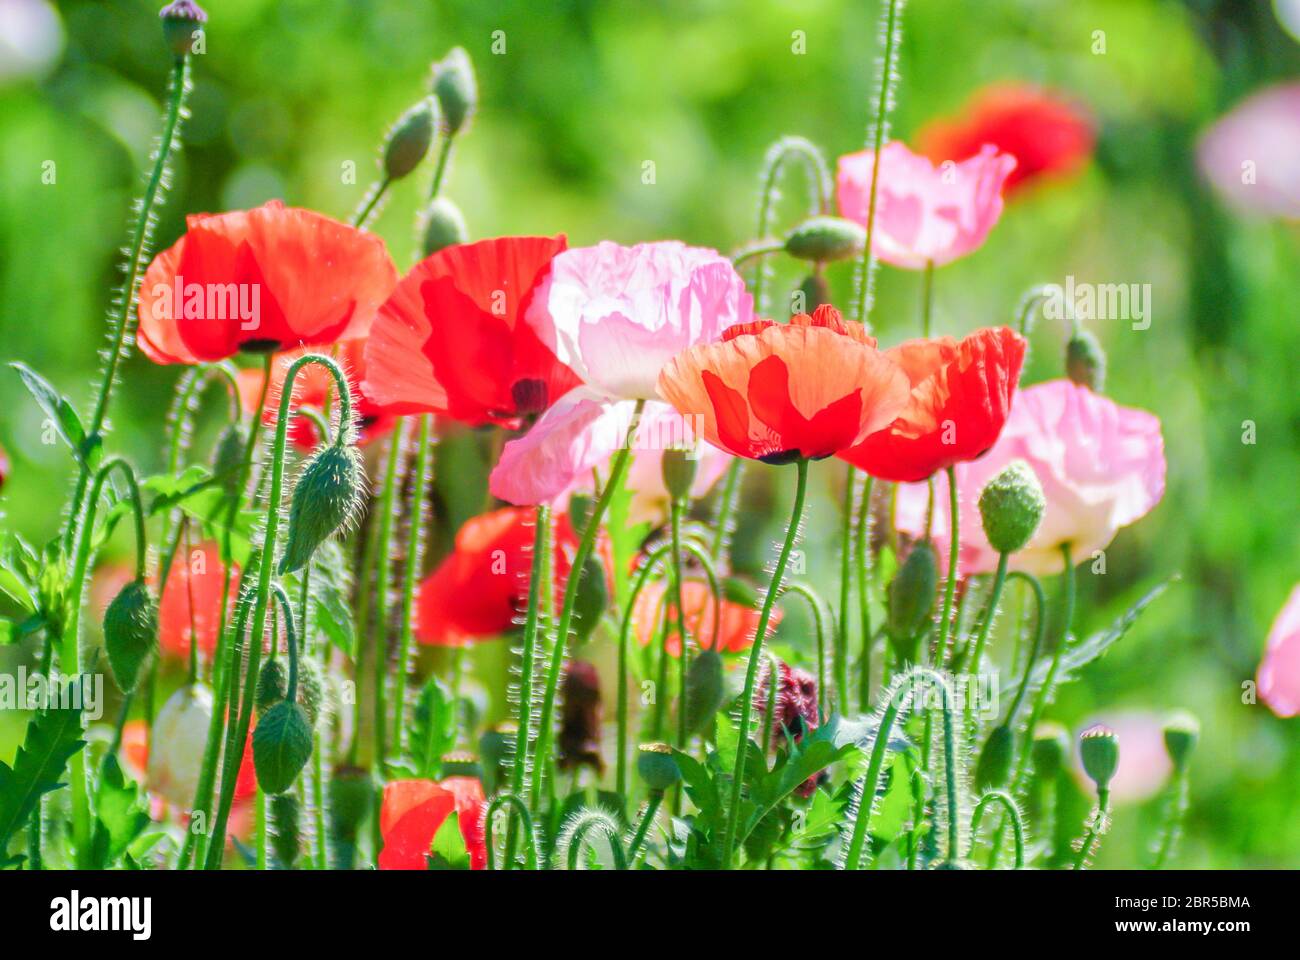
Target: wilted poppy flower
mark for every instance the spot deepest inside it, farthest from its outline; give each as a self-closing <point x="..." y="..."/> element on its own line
<point x="778" y="392"/>
<point x="1252" y="155"/>
<point x="481" y="588"/>
<point x="737" y="624"/>
<point x="1101" y="466"/>
<point x="413" y="811"/>
<point x="961" y="395"/>
<point x="795" y="713"/>
<point x="1279" y="672"/>
<point x="175" y="752"/>
<point x="583" y="431"/>
<point x="617" y="314"/>
<point x="273" y="278"/>
<point x="924" y="214"/>
<point x="191" y="600"/>
<point x="1048" y="135"/>
<point x="314" y="387"/>
<point x="452" y="340"/>
<point x="580" y="718"/>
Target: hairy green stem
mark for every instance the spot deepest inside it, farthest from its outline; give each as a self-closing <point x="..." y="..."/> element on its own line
<point x="1013" y="814"/>
<point x="410" y="578"/>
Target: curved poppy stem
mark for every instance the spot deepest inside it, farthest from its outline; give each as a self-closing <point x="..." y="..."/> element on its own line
<point x="519" y="810"/>
<point x="652" y="807"/>
<point x="1013" y="814"/>
<point x="577" y="835"/>
<point x="816" y="605"/>
<point x="755" y="656"/>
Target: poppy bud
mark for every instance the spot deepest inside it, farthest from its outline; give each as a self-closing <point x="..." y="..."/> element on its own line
<point x="409" y="139"/>
<point x="444" y="226"/>
<point x="579" y="510"/>
<point x="994" y="766"/>
<point x="228" y="457"/>
<point x="180" y="731"/>
<point x="911" y="598"/>
<point x="456" y="90"/>
<point x="592" y="598"/>
<point x="496" y="747"/>
<point x="735" y="590"/>
<point x="1182" y="731"/>
<point x="285" y="832"/>
<point x="706" y="690"/>
<point x="679" y="468"/>
<point x="1011" y="506"/>
<point x="1099" y="751"/>
<point x="657" y="766"/>
<point x="130" y="633"/>
<point x="281" y="746"/>
<point x="461" y="763"/>
<point x="273" y="682"/>
<point x="326" y="498"/>
<point x="181" y="20"/>
<point x="815" y="291"/>
<point x="822" y="239"/>
<point x="1085" y="361"/>
<point x="1050" y="746"/>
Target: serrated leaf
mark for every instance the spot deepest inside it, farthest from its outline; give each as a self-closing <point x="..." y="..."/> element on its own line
<point x="433" y="727"/>
<point x="58" y="408"/>
<point x="448" y="850"/>
<point x="120" y="816"/>
<point x="53" y="736"/>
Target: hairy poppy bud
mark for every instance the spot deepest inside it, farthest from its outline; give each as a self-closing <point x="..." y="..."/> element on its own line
<point x="911" y="597"/>
<point x="994" y="766"/>
<point x="409" y="139"/>
<point x="228" y="457"/>
<point x="181" y="20"/>
<point x="444" y="226"/>
<point x="735" y="590"/>
<point x="326" y="498"/>
<point x="706" y="690"/>
<point x="822" y="239"/>
<point x="592" y="598"/>
<point x="1085" y="361"/>
<point x="281" y="746"/>
<point x="580" y="506"/>
<point x="679" y="467"/>
<point x="657" y="766"/>
<point x="456" y="89"/>
<point x="273" y="683"/>
<point x="130" y="633"/>
<point x="1049" y="749"/>
<point x="1182" y="731"/>
<point x="285" y="831"/>
<point x="1011" y="506"/>
<point x="1099" y="751"/>
<point x="814" y="292"/>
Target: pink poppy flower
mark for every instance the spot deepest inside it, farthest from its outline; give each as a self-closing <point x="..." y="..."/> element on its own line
<point x="1102" y="467"/>
<point x="615" y="315"/>
<point x="1252" y="155"/>
<point x="925" y="213"/>
<point x="1279" y="672"/>
<point x="583" y="431"/>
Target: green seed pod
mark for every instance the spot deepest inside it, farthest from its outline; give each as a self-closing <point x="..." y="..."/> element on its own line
<point x="1182" y="731"/>
<point x="1050" y="747"/>
<point x="706" y="690"/>
<point x="994" y="766"/>
<point x="460" y="763"/>
<point x="181" y="20"/>
<point x="1099" y="751"/>
<point x="1011" y="506"/>
<point x="592" y="598"/>
<point x="409" y="139"/>
<point x="496" y="747"/>
<point x="130" y="633"/>
<point x="273" y="684"/>
<point x="679" y="467"/>
<point x="657" y="765"/>
<point x="228" y="457"/>
<point x="281" y="746"/>
<point x="823" y="239"/>
<point x="286" y="836"/>
<point x="1085" y="361"/>
<point x="813" y="292"/>
<point x="456" y="89"/>
<point x="326" y="498"/>
<point x="443" y="226"/>
<point x="911" y="598"/>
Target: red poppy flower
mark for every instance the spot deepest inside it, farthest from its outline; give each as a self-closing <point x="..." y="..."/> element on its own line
<point x="273" y="278"/>
<point x="314" y="388"/>
<point x="4" y="467"/>
<point x="481" y="588"/>
<point x="1047" y="135"/>
<point x="961" y="395"/>
<point x="413" y="811"/>
<point x="778" y="392"/>
<point x="737" y="625"/>
<point x="451" y="339"/>
<point x="191" y="600"/>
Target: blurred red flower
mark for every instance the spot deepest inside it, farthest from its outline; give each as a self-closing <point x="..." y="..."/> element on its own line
<point x="412" y="812"/>
<point x="273" y="278"/>
<point x="191" y="600"/>
<point x="1048" y="135"/>
<point x="961" y="396"/>
<point x="451" y="339"/>
<point x="736" y="627"/>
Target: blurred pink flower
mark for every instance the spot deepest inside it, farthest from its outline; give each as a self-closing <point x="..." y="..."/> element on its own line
<point x="923" y="212"/>
<point x="1144" y="764"/>
<point x="582" y="431"/>
<point x="1279" y="671"/>
<point x="1252" y="154"/>
<point x="615" y="315"/>
<point x="1102" y="467"/>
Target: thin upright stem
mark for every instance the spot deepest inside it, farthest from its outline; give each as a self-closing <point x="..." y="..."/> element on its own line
<point x="410" y="577"/>
<point x="862" y="552"/>
<point x="840" y="657"/>
<point x="927" y="297"/>
<point x="383" y="577"/>
<point x="954" y="550"/>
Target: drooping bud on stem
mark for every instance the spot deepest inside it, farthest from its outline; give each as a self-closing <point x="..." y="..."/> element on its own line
<point x="824" y="239"/>
<point x="130" y="633"/>
<point x="911" y="598"/>
<point x="326" y="498"/>
<point x="1085" y="361"/>
<point x="679" y="467"/>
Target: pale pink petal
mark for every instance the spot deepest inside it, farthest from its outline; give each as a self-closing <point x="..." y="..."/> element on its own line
<point x="1252" y="155"/>
<point x="1279" y="672"/>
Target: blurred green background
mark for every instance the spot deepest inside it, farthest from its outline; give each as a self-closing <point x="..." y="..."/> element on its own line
<point x="586" y="92"/>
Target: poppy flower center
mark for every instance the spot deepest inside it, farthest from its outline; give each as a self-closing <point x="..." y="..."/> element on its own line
<point x="529" y="396"/>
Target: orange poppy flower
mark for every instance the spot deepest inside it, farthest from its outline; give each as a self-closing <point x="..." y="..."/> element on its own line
<point x="273" y="278"/>
<point x="737" y="624"/>
<point x="412" y="812"/>
<point x="781" y="392"/>
<point x="451" y="339"/>
<point x="191" y="600"/>
<point x="961" y="395"/>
